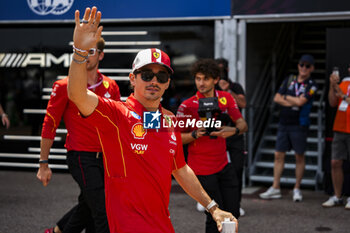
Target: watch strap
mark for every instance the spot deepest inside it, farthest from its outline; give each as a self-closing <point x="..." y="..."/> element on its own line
<point x="211" y="205"/>
<point x="44" y="161"/>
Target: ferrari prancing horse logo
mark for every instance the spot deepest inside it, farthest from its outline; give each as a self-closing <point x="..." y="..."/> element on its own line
<point x="223" y="100"/>
<point x="156" y="55"/>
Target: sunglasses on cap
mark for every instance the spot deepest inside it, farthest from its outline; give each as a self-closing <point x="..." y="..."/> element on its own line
<point x="92" y="52"/>
<point x="147" y="75"/>
<point x="307" y="66"/>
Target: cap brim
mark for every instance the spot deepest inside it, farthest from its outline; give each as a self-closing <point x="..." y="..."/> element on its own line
<point x="171" y="71"/>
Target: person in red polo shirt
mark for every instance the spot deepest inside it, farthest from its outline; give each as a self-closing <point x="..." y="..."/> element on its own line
<point x="84" y="156"/>
<point x="139" y="161"/>
<point x="207" y="150"/>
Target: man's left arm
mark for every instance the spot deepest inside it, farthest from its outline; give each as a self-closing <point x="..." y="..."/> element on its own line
<point x="296" y="100"/>
<point x="190" y="183"/>
<point x="237" y="92"/>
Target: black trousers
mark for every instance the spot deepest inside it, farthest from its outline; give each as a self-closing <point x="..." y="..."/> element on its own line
<point x="235" y="147"/>
<point x="86" y="222"/>
<point x="87" y="170"/>
<point x="237" y="159"/>
<point x="223" y="188"/>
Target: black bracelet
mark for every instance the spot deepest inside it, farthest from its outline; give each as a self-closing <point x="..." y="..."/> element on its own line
<point x="44" y="161"/>
<point x="78" y="62"/>
<point x="80" y="55"/>
<point x="194" y="134"/>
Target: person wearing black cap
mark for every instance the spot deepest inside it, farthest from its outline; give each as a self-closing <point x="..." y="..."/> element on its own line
<point x="295" y="97"/>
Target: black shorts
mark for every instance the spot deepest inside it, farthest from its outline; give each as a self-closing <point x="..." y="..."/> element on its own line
<point x="291" y="137"/>
<point x="341" y="146"/>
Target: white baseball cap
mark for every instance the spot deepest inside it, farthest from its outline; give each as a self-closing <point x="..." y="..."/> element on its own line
<point x="151" y="56"/>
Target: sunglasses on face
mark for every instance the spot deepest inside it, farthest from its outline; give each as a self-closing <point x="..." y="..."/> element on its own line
<point x="307" y="66"/>
<point x="147" y="75"/>
<point x="92" y="52"/>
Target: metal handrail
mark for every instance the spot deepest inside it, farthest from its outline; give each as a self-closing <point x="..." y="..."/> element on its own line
<point x="320" y="143"/>
<point x="257" y="110"/>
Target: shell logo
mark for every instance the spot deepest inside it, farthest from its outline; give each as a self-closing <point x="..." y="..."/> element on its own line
<point x="156" y="55"/>
<point x="138" y="131"/>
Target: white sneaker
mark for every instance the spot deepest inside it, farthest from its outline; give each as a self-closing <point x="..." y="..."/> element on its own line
<point x="241" y="212"/>
<point x="333" y="201"/>
<point x="200" y="208"/>
<point x="297" y="197"/>
<point x="347" y="206"/>
<point x="271" y="193"/>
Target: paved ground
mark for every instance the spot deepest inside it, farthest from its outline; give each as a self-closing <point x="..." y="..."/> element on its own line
<point x="26" y="206"/>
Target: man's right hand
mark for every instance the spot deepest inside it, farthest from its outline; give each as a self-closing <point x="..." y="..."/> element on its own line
<point x="87" y="32"/>
<point x="334" y="79"/>
<point x="44" y="174"/>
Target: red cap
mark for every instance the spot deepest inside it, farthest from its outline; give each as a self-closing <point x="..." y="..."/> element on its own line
<point x="151" y="56"/>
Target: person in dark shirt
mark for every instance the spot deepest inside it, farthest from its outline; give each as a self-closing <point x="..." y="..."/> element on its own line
<point x="295" y="97"/>
<point x="235" y="143"/>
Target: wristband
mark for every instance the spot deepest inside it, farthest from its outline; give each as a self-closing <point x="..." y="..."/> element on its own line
<point x="78" y="62"/>
<point x="44" y="161"/>
<point x="194" y="134"/>
<point x="4" y="114"/>
<point x="211" y="205"/>
<point x="79" y="50"/>
<point x="80" y="55"/>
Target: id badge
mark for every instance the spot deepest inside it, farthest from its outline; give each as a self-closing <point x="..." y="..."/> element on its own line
<point x="343" y="106"/>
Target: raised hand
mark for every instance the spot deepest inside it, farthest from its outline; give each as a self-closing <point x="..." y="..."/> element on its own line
<point x="88" y="31"/>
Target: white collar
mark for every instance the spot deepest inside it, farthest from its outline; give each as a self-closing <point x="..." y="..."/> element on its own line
<point x="346" y="79"/>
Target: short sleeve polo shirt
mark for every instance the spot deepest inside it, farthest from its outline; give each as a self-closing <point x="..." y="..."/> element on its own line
<point x="138" y="166"/>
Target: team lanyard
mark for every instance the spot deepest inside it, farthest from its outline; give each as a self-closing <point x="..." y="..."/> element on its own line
<point x="297" y="90"/>
<point x="96" y="84"/>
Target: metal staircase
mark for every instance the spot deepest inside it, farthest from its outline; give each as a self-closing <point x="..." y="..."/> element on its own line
<point x="29" y="158"/>
<point x="263" y="124"/>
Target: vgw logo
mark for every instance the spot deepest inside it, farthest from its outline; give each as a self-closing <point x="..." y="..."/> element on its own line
<point x="139" y="148"/>
<point x="151" y="120"/>
<point x="45" y="7"/>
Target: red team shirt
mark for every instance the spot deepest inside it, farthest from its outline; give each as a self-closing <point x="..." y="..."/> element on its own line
<point x="138" y="166"/>
<point x="81" y="136"/>
<point x="207" y="156"/>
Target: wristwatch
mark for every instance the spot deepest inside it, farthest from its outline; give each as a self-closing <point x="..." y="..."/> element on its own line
<point x="237" y="131"/>
<point x="194" y="134"/>
<point x="211" y="205"/>
<point x="344" y="97"/>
